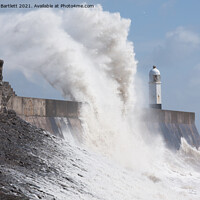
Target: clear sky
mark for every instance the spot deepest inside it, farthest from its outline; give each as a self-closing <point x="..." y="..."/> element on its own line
<point x="165" y="33"/>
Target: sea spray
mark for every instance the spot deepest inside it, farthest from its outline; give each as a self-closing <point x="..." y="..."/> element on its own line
<point x="46" y="167"/>
<point x="85" y="54"/>
<point x="190" y="155"/>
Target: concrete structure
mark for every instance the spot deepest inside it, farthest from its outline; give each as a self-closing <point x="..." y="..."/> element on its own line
<point x="25" y="106"/>
<point x="55" y="116"/>
<point x="61" y="117"/>
<point x="155" y="88"/>
<point x="173" y="125"/>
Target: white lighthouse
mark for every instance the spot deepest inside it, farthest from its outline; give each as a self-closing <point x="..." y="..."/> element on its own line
<point x="155" y="89"/>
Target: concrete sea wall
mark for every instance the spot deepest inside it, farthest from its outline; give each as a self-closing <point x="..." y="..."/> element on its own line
<point x="173" y="125"/>
<point x="62" y="117"/>
<point x="43" y="107"/>
<point x="56" y="116"/>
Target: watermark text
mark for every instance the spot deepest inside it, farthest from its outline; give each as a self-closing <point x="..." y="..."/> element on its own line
<point x="46" y="5"/>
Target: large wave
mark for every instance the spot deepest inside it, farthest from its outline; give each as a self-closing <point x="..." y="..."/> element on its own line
<point x="85" y="54"/>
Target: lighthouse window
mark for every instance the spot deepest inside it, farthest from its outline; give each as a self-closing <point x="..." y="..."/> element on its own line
<point x="156" y="78"/>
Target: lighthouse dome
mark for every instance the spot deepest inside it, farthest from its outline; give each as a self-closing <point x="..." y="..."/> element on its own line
<point x="154" y="71"/>
<point x="154" y="75"/>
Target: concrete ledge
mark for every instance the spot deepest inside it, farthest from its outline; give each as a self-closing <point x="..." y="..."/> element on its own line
<point x="55" y="108"/>
<point x="169" y="116"/>
<point x="60" y="117"/>
<point x="43" y="107"/>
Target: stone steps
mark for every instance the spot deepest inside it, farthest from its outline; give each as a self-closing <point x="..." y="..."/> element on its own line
<point x="8" y="88"/>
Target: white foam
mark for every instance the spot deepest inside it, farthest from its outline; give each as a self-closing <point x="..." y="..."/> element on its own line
<point x="85" y="54"/>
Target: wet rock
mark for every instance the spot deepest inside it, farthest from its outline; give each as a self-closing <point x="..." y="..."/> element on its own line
<point x="20" y="150"/>
<point x="34" y="164"/>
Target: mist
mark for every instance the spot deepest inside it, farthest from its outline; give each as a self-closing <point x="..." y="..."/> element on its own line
<point x="85" y="54"/>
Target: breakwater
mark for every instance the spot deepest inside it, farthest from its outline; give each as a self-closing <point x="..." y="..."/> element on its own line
<point x="59" y="117"/>
<point x="55" y="116"/>
<point x="173" y="125"/>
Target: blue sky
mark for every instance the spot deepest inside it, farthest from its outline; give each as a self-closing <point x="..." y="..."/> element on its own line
<point x="165" y="33"/>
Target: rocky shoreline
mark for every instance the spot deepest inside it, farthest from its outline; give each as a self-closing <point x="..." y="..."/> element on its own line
<point x="21" y="151"/>
<point x="35" y="164"/>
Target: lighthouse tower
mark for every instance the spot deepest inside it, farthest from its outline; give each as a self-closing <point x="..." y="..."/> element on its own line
<point x="155" y="89"/>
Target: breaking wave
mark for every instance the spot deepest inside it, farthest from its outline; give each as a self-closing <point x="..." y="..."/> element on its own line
<point x="85" y="54"/>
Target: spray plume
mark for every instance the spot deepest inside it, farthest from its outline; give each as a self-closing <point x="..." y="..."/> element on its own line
<point x="86" y="55"/>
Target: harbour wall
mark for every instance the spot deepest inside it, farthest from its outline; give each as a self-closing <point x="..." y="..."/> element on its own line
<point x="173" y="125"/>
<point x="55" y="116"/>
<point x="61" y="117"/>
<point x="43" y="107"/>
